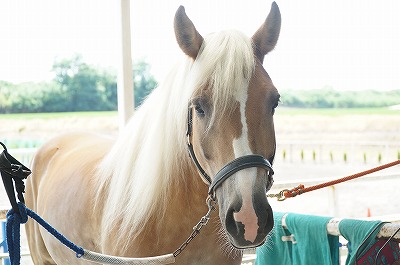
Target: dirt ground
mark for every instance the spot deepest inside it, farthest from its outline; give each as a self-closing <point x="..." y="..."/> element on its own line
<point x="43" y="129"/>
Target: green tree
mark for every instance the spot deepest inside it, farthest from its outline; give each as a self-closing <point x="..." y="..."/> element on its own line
<point x="54" y="98"/>
<point x="327" y="97"/>
<point x="88" y="88"/>
<point x="108" y="89"/>
<point x="77" y="86"/>
<point x="143" y="81"/>
<point x="20" y="98"/>
<point x="6" y="89"/>
<point x="79" y="82"/>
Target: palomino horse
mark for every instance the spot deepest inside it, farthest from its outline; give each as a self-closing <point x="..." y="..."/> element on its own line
<point x="141" y="194"/>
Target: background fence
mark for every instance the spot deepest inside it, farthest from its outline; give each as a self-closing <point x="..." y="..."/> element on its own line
<point x="335" y="152"/>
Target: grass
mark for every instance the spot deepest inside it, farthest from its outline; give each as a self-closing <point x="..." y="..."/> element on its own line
<point x="336" y="112"/>
<point x="55" y="115"/>
<point x="279" y="111"/>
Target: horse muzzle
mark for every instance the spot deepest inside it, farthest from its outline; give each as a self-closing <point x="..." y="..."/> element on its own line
<point x="247" y="217"/>
<point x="247" y="223"/>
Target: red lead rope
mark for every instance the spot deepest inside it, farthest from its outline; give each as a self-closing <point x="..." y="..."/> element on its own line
<point x="284" y="194"/>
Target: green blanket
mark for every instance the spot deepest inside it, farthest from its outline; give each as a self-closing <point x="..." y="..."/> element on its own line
<point x="306" y="242"/>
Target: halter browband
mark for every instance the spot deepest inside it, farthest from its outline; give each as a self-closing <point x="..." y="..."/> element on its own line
<point x="229" y="169"/>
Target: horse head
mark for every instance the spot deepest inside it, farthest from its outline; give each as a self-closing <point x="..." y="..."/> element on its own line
<point x="231" y="122"/>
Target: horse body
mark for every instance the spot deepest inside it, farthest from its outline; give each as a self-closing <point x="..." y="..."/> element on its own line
<point x="65" y="199"/>
<point x="63" y="195"/>
<point x="141" y="194"/>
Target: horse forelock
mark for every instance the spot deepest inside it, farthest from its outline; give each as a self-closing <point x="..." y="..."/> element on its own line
<point x="150" y="155"/>
<point x="225" y="65"/>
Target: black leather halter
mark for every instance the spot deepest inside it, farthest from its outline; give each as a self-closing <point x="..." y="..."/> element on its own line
<point x="229" y="169"/>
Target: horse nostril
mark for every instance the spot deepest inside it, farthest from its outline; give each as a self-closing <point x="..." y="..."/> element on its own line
<point x="230" y="223"/>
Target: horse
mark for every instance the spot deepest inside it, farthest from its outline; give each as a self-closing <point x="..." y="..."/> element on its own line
<point x="140" y="193"/>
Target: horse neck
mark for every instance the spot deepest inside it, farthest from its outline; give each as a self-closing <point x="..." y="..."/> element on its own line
<point x="186" y="205"/>
<point x="187" y="197"/>
<point x="192" y="192"/>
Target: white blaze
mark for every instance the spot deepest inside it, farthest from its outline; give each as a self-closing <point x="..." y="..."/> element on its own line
<point x="245" y="178"/>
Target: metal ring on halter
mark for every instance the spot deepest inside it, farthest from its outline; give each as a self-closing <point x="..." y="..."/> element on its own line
<point x="281" y="195"/>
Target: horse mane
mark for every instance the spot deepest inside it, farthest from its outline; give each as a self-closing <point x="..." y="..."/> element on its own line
<point x="150" y="155"/>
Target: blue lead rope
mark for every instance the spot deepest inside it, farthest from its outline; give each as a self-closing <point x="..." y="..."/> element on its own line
<point x="14" y="220"/>
<point x="12" y="171"/>
<point x="13" y="233"/>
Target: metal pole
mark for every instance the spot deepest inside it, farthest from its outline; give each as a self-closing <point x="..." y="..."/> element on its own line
<point x="125" y="71"/>
<point x="6" y="261"/>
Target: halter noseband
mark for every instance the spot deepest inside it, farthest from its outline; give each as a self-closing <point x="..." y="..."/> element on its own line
<point x="229" y="169"/>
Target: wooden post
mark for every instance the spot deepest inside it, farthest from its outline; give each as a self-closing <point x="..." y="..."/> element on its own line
<point x="125" y="71"/>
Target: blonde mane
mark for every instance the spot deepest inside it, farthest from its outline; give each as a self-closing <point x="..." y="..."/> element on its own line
<point x="150" y="155"/>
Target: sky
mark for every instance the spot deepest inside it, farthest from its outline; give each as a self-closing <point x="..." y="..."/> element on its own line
<point x="341" y="44"/>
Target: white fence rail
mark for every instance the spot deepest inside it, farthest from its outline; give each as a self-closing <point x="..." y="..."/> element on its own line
<point x="23" y="155"/>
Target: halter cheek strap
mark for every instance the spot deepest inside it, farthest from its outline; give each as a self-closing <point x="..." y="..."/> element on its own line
<point x="203" y="173"/>
<point x="229" y="169"/>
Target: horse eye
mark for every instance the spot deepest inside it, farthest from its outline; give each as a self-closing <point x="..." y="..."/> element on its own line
<point x="275" y="106"/>
<point x="199" y="110"/>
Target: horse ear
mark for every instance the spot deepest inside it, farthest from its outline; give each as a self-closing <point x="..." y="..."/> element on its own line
<point x="189" y="39"/>
<point x="267" y="35"/>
